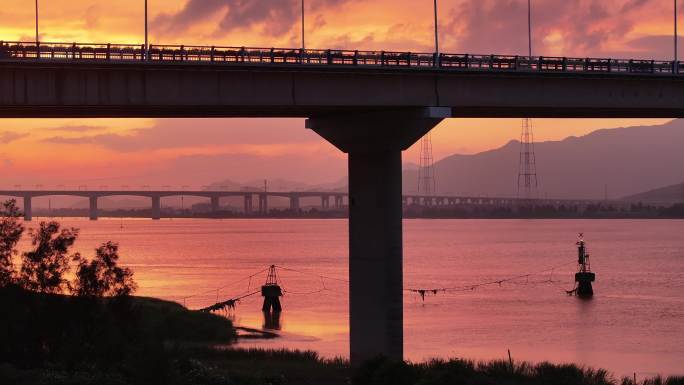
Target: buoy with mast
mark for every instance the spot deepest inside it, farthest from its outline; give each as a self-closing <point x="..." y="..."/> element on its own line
<point x="584" y="276"/>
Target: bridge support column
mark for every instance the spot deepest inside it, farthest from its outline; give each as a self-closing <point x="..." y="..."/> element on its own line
<point x="339" y="201"/>
<point x="263" y="204"/>
<point x="248" y="203"/>
<point x="325" y="202"/>
<point x="374" y="143"/>
<point x="28" y="210"/>
<point x="294" y="203"/>
<point x="215" y="205"/>
<point x="93" y="208"/>
<point x="156" y="207"/>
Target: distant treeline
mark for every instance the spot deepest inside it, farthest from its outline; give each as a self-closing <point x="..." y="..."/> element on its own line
<point x="595" y="211"/>
<point x="598" y="211"/>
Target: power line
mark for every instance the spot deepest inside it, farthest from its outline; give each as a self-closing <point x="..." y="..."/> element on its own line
<point x="323" y="288"/>
<point x="312" y="274"/>
<point x="434" y="290"/>
<point x="247" y="278"/>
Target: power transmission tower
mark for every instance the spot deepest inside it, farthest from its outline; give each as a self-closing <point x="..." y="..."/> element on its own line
<point x="427" y="182"/>
<point x="527" y="172"/>
<point x="528" y="185"/>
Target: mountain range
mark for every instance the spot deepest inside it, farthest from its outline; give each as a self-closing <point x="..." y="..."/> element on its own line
<point x="615" y="162"/>
<point x="664" y="195"/>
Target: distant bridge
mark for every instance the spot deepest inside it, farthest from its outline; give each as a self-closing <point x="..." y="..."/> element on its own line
<point x="326" y="198"/>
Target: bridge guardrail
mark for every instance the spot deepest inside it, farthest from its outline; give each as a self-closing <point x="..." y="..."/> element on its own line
<point x="297" y="56"/>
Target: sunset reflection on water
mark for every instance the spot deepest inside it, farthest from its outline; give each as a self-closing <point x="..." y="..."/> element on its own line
<point x="632" y="324"/>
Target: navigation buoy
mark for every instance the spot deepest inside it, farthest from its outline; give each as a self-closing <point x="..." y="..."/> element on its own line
<point x="584" y="276"/>
<point x="272" y="292"/>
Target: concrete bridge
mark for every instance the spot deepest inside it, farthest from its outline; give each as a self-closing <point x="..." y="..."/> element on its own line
<point x="155" y="196"/>
<point x="371" y="105"/>
<point x="326" y="198"/>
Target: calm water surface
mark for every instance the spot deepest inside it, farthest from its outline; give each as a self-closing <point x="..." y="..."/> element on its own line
<point x="635" y="323"/>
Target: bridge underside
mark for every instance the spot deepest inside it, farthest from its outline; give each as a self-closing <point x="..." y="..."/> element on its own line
<point x="50" y="111"/>
<point x="70" y="90"/>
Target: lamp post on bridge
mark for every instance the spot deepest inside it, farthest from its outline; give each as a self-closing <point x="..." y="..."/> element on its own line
<point x="37" y="36"/>
<point x="529" y="27"/>
<point x="147" y="47"/>
<point x="436" y="36"/>
<point x="303" y="41"/>
<point x="676" y="38"/>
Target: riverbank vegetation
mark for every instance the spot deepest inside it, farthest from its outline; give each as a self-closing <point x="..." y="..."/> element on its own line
<point x="71" y="319"/>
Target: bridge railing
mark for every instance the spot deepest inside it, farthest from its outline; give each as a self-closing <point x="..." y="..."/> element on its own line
<point x="71" y="51"/>
<point x="289" y="56"/>
<point x="284" y="56"/>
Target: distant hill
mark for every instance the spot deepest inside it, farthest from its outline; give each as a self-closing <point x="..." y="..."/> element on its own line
<point x="666" y="195"/>
<point x="625" y="160"/>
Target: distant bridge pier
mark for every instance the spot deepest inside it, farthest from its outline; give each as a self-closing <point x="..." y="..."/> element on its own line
<point x="28" y="211"/>
<point x="93" y="208"/>
<point x="248" y="204"/>
<point x="294" y="203"/>
<point x="374" y="142"/>
<point x="215" y="204"/>
<point x="156" y="207"/>
<point x="325" y="202"/>
<point x="263" y="204"/>
<point x="339" y="201"/>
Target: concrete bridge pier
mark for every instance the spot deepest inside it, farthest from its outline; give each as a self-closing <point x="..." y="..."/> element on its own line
<point x="248" y="204"/>
<point x="263" y="204"/>
<point x="156" y="207"/>
<point x="294" y="203"/>
<point x="325" y="202"/>
<point x="339" y="201"/>
<point x="28" y="211"/>
<point x="374" y="142"/>
<point x="93" y="208"/>
<point x="215" y="206"/>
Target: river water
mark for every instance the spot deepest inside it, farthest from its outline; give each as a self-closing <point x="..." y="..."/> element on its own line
<point x="635" y="322"/>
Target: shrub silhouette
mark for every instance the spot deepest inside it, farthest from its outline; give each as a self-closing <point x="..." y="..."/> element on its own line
<point x="11" y="230"/>
<point x="44" y="268"/>
<point x="102" y="276"/>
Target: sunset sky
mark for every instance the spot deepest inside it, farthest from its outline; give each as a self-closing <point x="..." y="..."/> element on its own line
<point x="174" y="152"/>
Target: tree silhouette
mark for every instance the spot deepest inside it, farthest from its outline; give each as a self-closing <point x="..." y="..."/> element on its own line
<point x="11" y="230"/>
<point x="43" y="269"/>
<point x="102" y="276"/>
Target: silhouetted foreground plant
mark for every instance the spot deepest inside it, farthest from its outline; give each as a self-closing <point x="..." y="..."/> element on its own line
<point x="43" y="269"/>
<point x="11" y="230"/>
<point x="102" y="276"/>
<point x="45" y="338"/>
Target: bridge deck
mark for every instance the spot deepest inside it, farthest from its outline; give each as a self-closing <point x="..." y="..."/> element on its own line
<point x="332" y="57"/>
